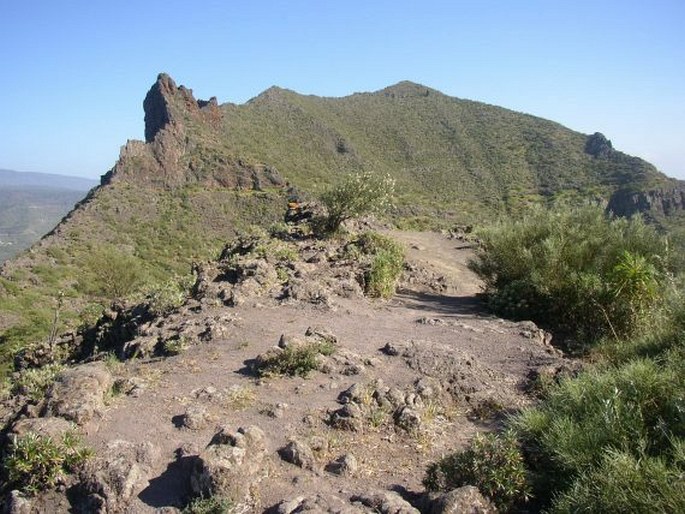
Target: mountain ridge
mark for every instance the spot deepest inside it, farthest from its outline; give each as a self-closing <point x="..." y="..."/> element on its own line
<point x="209" y="170"/>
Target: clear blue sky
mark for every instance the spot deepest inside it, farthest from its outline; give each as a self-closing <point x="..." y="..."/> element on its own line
<point x="74" y="73"/>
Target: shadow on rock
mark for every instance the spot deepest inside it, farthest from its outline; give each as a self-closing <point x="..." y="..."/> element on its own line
<point x="171" y="488"/>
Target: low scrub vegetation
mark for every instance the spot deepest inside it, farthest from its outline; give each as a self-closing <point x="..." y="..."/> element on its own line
<point x="209" y="505"/>
<point x="611" y="439"/>
<point x="294" y="360"/>
<point x="492" y="463"/>
<point x="385" y="263"/>
<point x="356" y="195"/>
<point x="575" y="271"/>
<point x="37" y="462"/>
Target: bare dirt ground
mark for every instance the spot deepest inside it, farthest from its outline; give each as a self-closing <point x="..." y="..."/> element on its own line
<point x="478" y="365"/>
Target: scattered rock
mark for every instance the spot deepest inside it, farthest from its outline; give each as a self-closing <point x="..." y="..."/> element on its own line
<point x="318" y="504"/>
<point x="116" y="476"/>
<point x="466" y="499"/>
<point x="230" y="465"/>
<point x="408" y="419"/>
<point x="349" y="417"/>
<point x="298" y="453"/>
<point x="52" y="427"/>
<point x="196" y="417"/>
<point x="78" y="393"/>
<point x="387" y="502"/>
<point x="17" y="503"/>
<point x="346" y="465"/>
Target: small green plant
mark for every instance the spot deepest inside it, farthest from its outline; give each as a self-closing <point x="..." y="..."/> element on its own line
<point x="34" y="382"/>
<point x="493" y="463"/>
<point x="169" y="296"/>
<point x="111" y="273"/>
<point x="381" y="279"/>
<point x="209" y="505"/>
<point x="240" y="397"/>
<point x="624" y="483"/>
<point x="175" y="345"/>
<point x="635" y="409"/>
<point x="37" y="462"/>
<point x="384" y="260"/>
<point x="294" y="360"/>
<point x="357" y="194"/>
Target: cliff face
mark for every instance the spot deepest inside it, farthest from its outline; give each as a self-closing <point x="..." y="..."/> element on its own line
<point x="659" y="202"/>
<point x="182" y="146"/>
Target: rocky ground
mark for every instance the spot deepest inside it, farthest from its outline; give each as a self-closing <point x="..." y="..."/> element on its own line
<point x="401" y="383"/>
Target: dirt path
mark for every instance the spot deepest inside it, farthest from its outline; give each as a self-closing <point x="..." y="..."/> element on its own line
<point x="478" y="362"/>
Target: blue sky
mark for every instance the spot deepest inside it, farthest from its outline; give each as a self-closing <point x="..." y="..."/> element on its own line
<point x="74" y="73"/>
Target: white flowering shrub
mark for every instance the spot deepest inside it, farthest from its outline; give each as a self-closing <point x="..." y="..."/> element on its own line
<point x="357" y="194"/>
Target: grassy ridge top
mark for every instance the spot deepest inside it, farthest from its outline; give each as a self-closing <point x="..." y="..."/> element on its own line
<point x="447" y="154"/>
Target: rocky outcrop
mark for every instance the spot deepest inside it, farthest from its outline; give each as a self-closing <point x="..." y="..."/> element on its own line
<point x="78" y="393"/>
<point x="464" y="499"/>
<point x="230" y="465"/>
<point x="598" y="146"/>
<point x="167" y="103"/>
<point x="181" y="148"/>
<point x="657" y="202"/>
<point x="110" y="482"/>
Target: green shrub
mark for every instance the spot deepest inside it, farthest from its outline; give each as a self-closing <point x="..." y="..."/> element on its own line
<point x="111" y="273"/>
<point x="574" y="270"/>
<point x="635" y="410"/>
<point x="36" y="462"/>
<point x="294" y="360"/>
<point x="209" y="505"/>
<point x="624" y="483"/>
<point x="381" y="279"/>
<point x="492" y="462"/>
<point x="385" y="262"/>
<point x="169" y="296"/>
<point x="34" y="382"/>
<point x="357" y="194"/>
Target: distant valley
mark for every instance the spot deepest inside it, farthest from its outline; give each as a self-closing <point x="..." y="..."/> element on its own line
<point x="31" y="204"/>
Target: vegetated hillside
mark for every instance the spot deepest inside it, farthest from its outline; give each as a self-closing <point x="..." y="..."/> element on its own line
<point x="207" y="170"/>
<point x="467" y="158"/>
<point x="31" y="204"/>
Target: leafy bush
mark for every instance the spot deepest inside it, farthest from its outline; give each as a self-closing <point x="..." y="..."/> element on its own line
<point x="34" y="382"/>
<point x="294" y="360"/>
<point x="574" y="270"/>
<point x="492" y="462"/>
<point x="624" y="483"/>
<point x="381" y="279"/>
<point x="168" y="296"/>
<point x="386" y="260"/>
<point x="209" y="505"/>
<point x="111" y="273"/>
<point x="357" y="194"/>
<point x="37" y="462"/>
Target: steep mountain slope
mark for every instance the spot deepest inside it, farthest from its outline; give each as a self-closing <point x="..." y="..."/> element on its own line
<point x="207" y="170"/>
